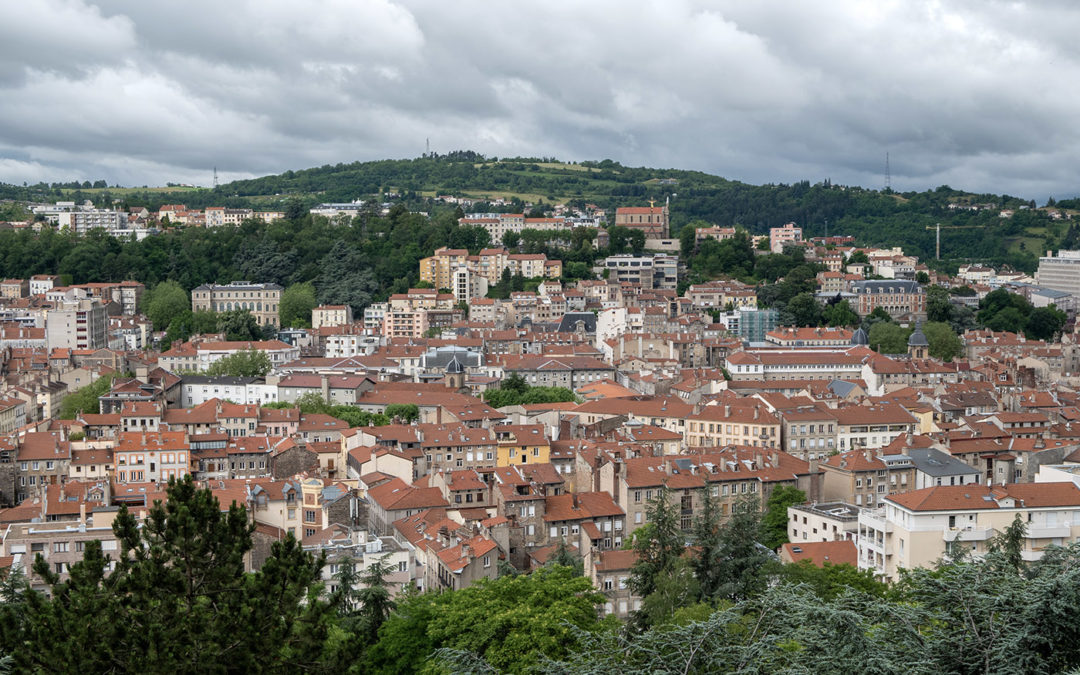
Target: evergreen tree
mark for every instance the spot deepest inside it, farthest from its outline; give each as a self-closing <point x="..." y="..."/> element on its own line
<point x="742" y="562"/>
<point x="1009" y="544"/>
<point x="374" y="597"/>
<point x="658" y="546"/>
<point x="178" y="599"/>
<point x="706" y="543"/>
<point x="562" y="555"/>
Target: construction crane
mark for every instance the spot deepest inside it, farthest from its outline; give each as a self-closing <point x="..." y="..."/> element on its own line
<point x="948" y="227"/>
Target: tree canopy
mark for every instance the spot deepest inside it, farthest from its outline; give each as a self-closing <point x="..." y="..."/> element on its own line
<point x="244" y="363"/>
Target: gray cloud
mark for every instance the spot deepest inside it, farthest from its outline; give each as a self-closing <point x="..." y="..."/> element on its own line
<point x="972" y="93"/>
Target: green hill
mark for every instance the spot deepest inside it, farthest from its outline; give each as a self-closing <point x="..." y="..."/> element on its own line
<point x="872" y="216"/>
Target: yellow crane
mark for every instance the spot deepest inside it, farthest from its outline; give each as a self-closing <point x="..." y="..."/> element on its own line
<point x="937" y="227"/>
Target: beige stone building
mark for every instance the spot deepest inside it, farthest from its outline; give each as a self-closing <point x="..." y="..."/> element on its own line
<point x="261" y="300"/>
<point x="331" y="315"/>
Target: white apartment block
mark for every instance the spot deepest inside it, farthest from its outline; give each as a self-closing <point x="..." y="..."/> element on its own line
<point x="1060" y="273"/>
<point x="82" y="324"/>
<point x="198" y="389"/>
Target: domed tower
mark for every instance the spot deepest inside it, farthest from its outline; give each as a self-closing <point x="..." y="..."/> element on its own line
<point x="917" y="344"/>
<point x="455" y="375"/>
<point x="859" y="337"/>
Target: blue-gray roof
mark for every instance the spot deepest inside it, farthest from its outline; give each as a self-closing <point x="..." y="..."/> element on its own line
<point x="886" y="286"/>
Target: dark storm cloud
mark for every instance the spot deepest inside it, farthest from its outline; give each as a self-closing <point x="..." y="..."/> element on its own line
<point x="974" y="94"/>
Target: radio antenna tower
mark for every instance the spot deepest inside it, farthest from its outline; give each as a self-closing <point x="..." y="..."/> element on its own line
<point x="215" y="178"/>
<point x="888" y="176"/>
<point x="427" y="147"/>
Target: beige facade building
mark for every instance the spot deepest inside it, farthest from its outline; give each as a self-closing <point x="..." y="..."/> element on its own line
<point x="918" y="528"/>
<point x="261" y="300"/>
<point x="331" y="315"/>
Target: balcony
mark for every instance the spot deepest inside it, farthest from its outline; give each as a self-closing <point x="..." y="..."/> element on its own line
<point x="1049" y="532"/>
<point x="875" y="520"/>
<point x="967" y="533"/>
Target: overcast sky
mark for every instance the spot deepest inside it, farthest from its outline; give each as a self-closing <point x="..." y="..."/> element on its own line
<point x="977" y="94"/>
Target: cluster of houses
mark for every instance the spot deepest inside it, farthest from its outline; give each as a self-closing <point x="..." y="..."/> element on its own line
<point x="902" y="457"/>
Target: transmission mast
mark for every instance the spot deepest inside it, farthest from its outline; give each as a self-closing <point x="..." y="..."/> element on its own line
<point x="215" y="178"/>
<point x="888" y="175"/>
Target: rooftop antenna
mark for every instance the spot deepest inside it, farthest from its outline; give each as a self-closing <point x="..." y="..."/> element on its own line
<point x="215" y="178"/>
<point x="888" y="175"/>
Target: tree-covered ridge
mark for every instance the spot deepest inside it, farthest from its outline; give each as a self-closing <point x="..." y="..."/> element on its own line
<point x="877" y="217"/>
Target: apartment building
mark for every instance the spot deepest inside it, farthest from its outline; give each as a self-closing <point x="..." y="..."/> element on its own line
<point x="796" y="364"/>
<point x="261" y="300"/>
<point x="79" y="324"/>
<point x="809" y="432"/>
<point x="918" y="528"/>
<point x="1060" y="273"/>
<point x="153" y="457"/>
<point x="331" y="315"/>
<point x="865" y="478"/>
<point x="872" y="426"/>
<point x="656" y="271"/>
<point x="826" y="521"/>
<point x="722" y="425"/>
<point x="557" y="371"/>
<point x="779" y="237"/>
<point x="83" y="220"/>
<point x="522" y="444"/>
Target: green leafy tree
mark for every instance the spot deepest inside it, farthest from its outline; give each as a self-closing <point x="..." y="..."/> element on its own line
<point x="297" y="302"/>
<point x="944" y="343"/>
<point x="406" y="412"/>
<point x="889" y="338"/>
<point x="513" y="623"/>
<point x="679" y="588"/>
<point x="706" y="543"/>
<point x="840" y="314"/>
<point x="244" y="363"/>
<point x="1044" y="323"/>
<point x="939" y="307"/>
<point x="164" y="302"/>
<point x="774" y="524"/>
<point x="347" y="278"/>
<point x="86" y="399"/>
<point x="805" y="310"/>
<point x="374" y="598"/>
<point x="1009" y="544"/>
<point x="239" y="325"/>
<point x="831" y="581"/>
